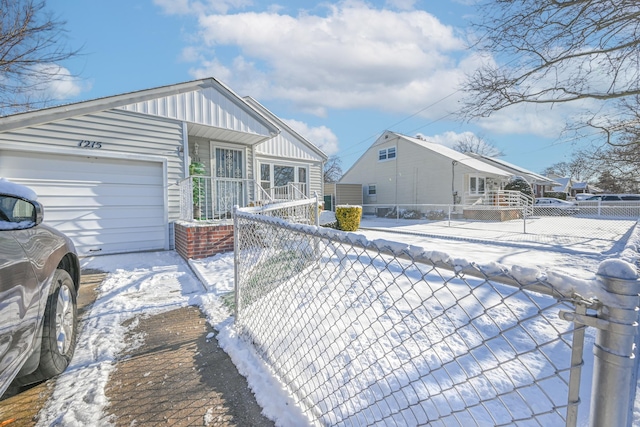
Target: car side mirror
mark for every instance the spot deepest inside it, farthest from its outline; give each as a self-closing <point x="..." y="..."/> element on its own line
<point x="19" y="213"/>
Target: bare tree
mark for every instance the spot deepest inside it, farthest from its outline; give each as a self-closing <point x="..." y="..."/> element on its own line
<point x="31" y="48"/>
<point x="583" y="167"/>
<point x="469" y="143"/>
<point x="619" y="167"/>
<point x="560" y="51"/>
<point x="333" y="169"/>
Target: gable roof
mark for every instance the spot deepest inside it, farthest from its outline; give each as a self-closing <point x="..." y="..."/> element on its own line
<point x="563" y="185"/>
<point x="455" y="156"/>
<point x="530" y="177"/>
<point x="145" y="101"/>
<point x="286" y="128"/>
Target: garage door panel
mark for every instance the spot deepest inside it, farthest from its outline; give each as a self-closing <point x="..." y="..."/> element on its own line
<point x="96" y="189"/>
<point x="104" y="214"/>
<point x="67" y="226"/>
<point x="104" y="205"/>
<point x="64" y="169"/>
<point x="123" y="201"/>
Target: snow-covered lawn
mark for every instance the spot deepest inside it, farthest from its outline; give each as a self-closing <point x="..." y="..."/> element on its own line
<point x="150" y="283"/>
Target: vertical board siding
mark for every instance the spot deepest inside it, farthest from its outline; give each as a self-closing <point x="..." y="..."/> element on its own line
<point x="286" y="146"/>
<point x="205" y="106"/>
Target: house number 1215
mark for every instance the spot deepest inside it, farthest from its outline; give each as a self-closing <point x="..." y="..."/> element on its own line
<point x="89" y="144"/>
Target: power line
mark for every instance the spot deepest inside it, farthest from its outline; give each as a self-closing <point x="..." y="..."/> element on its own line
<point x="349" y="150"/>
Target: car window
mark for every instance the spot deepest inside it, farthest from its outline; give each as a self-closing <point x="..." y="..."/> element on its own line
<point x="611" y="198"/>
<point x="630" y="197"/>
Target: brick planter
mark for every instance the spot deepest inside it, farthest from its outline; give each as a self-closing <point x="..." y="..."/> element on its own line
<point x="201" y="240"/>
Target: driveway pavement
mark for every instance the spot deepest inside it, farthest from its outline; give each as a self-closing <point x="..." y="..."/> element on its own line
<point x="175" y="377"/>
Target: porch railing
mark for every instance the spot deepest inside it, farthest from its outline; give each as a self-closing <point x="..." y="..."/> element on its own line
<point x="493" y="199"/>
<point x="291" y="191"/>
<point x="205" y="198"/>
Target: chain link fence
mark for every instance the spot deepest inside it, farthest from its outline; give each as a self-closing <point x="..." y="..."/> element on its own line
<point x="381" y="333"/>
<point x="586" y="226"/>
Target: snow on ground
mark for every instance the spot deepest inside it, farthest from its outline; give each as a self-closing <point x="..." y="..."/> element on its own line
<point x="150" y="283"/>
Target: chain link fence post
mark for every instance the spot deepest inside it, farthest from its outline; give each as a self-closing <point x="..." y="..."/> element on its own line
<point x="236" y="261"/>
<point x="612" y="393"/>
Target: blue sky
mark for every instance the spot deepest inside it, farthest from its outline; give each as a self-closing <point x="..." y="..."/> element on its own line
<point x="339" y="72"/>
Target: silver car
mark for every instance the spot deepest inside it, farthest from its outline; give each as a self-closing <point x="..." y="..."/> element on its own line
<point x="553" y="206"/>
<point x="39" y="280"/>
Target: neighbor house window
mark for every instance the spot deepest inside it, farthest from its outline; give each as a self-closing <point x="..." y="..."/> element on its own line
<point x="372" y="189"/>
<point x="476" y="185"/>
<point x="387" y="153"/>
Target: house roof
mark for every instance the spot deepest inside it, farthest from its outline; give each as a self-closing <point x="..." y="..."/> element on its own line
<point x="282" y="125"/>
<point x="530" y="177"/>
<point x="134" y="101"/>
<point x="454" y="155"/>
<point x="563" y="184"/>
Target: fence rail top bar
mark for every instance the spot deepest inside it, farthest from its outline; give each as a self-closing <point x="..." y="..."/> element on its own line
<point x="556" y="284"/>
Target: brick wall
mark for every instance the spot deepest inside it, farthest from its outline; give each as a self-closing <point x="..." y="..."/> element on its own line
<point x="194" y="240"/>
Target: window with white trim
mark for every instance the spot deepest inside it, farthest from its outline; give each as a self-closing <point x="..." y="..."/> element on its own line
<point x="476" y="185"/>
<point x="387" y="154"/>
<point x="280" y="175"/>
<point x="372" y="190"/>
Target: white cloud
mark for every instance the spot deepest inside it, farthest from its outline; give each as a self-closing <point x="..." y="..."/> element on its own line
<point x="450" y="138"/>
<point x="351" y="55"/>
<point x="321" y="136"/>
<point x="51" y="81"/>
<point x="346" y="55"/>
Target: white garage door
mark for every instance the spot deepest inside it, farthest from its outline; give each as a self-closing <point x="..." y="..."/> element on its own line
<point x="104" y="205"/>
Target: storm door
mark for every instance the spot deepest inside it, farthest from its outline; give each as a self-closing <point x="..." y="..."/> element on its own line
<point x="230" y="188"/>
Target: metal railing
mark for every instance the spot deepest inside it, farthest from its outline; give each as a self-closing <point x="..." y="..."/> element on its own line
<point x="291" y="191"/>
<point x="211" y="198"/>
<point x="498" y="199"/>
<point x="377" y="332"/>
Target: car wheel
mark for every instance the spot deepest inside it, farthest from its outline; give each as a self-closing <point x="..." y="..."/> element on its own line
<point x="59" y="331"/>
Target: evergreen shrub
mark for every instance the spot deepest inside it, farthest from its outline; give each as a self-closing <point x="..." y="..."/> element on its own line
<point x="348" y="217"/>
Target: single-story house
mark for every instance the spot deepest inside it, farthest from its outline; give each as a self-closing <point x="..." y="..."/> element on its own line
<point x="402" y="170"/>
<point x="109" y="171"/>
<point x="539" y="183"/>
<point x="571" y="188"/>
<point x="563" y="185"/>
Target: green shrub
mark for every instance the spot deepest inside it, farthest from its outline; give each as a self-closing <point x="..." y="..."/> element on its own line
<point x="519" y="184"/>
<point x="348" y="217"/>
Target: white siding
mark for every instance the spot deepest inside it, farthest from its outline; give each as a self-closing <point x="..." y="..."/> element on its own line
<point x="286" y="146"/>
<point x="205" y="106"/>
<point x="104" y="205"/>
<point x="120" y="134"/>
<point x="289" y="149"/>
<point x="416" y="176"/>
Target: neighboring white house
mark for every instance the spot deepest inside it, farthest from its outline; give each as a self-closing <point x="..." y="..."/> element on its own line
<point x="108" y="170"/>
<point x="539" y="183"/>
<point x="399" y="169"/>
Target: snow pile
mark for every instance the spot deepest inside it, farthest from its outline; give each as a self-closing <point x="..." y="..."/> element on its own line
<point x="12" y="189"/>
